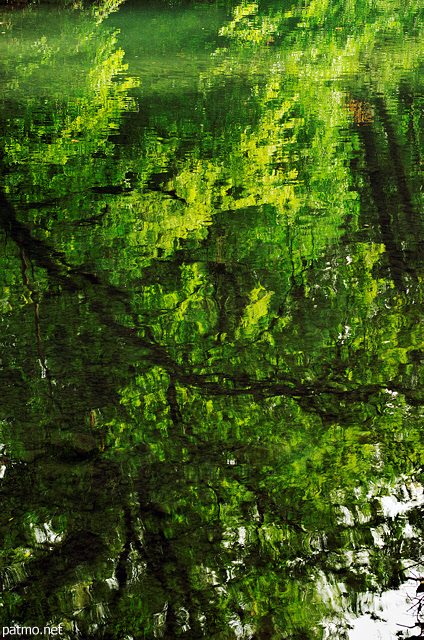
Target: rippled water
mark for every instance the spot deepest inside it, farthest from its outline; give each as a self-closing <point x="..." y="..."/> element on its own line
<point x="211" y="320"/>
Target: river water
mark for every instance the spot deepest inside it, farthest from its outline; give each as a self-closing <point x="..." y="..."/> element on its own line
<point x="211" y="320"/>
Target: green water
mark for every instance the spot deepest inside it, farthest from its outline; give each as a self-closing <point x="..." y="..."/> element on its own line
<point x="211" y="320"/>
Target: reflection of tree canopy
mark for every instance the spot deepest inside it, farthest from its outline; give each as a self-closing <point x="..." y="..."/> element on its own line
<point x="212" y="337"/>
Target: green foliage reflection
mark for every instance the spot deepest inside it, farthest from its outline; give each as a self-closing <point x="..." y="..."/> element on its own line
<point x="211" y="328"/>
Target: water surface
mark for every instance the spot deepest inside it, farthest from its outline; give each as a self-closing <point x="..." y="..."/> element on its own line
<point x="211" y="320"/>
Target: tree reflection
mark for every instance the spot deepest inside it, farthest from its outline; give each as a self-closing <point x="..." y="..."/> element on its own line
<point x="212" y="342"/>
